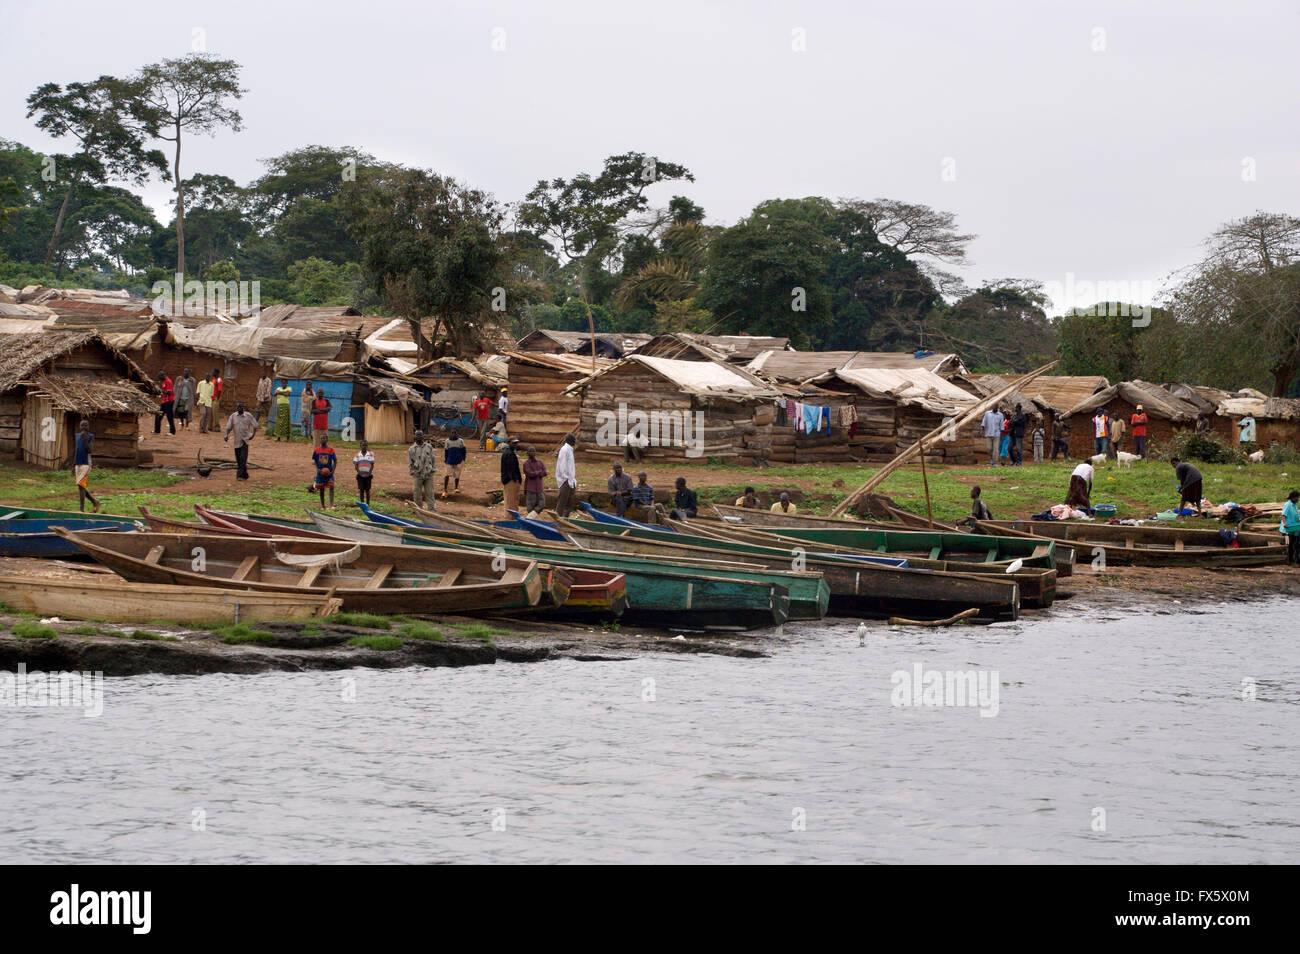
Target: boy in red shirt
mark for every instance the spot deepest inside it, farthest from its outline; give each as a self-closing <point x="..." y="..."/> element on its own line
<point x="1139" y="424"/>
<point x="166" y="404"/>
<point x="482" y="408"/>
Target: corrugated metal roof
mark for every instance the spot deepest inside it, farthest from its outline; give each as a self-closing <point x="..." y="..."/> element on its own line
<point x="915" y="387"/>
<point x="800" y="366"/>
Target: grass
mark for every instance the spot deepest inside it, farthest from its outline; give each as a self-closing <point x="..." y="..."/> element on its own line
<point x="30" y="630"/>
<point x="235" y="634"/>
<point x="85" y="631"/>
<point x="421" y="630"/>
<point x="478" y="631"/>
<point x="382" y="643"/>
<point x="311" y="629"/>
<point x="366" y="620"/>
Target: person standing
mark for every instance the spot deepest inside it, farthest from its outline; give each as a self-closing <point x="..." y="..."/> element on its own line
<point x="264" y="396"/>
<point x="1246" y="429"/>
<point x="991" y="428"/>
<point x="566" y="476"/>
<point x="218" y="385"/>
<point x="749" y="500"/>
<point x="243" y="425"/>
<point x="1080" y="494"/>
<point x="1291" y="527"/>
<point x="205" y="391"/>
<point x="619" y="486"/>
<point x="283" y="395"/>
<point x="185" y="393"/>
<point x="364" y="464"/>
<point x="1017" y="432"/>
<point x="166" y="404"/>
<point x="482" y="414"/>
<point x="327" y="462"/>
<point x="320" y="416"/>
<point x="685" y="501"/>
<point x="978" y="508"/>
<point x="422" y="465"/>
<point x="1138" y="425"/>
<point x="1060" y="439"/>
<point x="1100" y="431"/>
<point x="304" y="410"/>
<point x="1038" y="436"/>
<point x="643" y="495"/>
<point x="453" y="455"/>
<point x="503" y="404"/>
<point x="1116" y="437"/>
<point x="783" y="505"/>
<point x="1189" y="484"/>
<point x="81" y="464"/>
<point x="512" y="477"/>
<point x="534" y="492"/>
<point x="1004" y="449"/>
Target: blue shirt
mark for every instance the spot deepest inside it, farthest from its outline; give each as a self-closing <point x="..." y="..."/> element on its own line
<point x="1290" y="518"/>
<point x="643" y="495"/>
<point x="83" y="450"/>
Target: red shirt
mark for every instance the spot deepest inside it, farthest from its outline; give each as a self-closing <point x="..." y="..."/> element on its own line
<point x="1139" y="422"/>
<point x="320" y="414"/>
<point x="482" y="408"/>
<point x="216" y="386"/>
<point x="168" y="393"/>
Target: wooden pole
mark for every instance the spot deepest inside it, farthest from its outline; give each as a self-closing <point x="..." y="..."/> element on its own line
<point x="925" y="482"/>
<point x="971" y="413"/>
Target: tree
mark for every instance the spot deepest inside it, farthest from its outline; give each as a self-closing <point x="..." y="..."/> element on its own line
<point x="1001" y="326"/>
<point x="118" y="225"/>
<point x="190" y="95"/>
<point x="765" y="273"/>
<point x="431" y="248"/>
<point x="110" y="119"/>
<point x="928" y="235"/>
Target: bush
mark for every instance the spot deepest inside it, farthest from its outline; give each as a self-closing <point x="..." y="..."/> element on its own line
<point x="1281" y="454"/>
<point x="1209" y="448"/>
<point x="243" y="633"/>
<point x="29" y="630"/>
<point x="375" y="642"/>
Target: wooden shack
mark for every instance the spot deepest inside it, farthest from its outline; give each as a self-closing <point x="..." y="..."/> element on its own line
<point x="609" y="344"/>
<point x="675" y="409"/>
<point x="1166" y="414"/>
<point x="541" y="413"/>
<point x="732" y="349"/>
<point x="51" y="380"/>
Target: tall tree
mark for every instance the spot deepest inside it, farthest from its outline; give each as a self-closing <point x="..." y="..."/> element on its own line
<point x="431" y="247"/>
<point x="928" y="236"/>
<point x="110" y="119"/>
<point x="1000" y="326"/>
<point x="191" y="94"/>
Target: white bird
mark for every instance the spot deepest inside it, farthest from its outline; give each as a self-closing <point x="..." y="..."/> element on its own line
<point x="862" y="634"/>
<point x="1014" y="566"/>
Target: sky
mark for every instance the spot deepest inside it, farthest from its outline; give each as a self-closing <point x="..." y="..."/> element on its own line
<point x="1081" y="142"/>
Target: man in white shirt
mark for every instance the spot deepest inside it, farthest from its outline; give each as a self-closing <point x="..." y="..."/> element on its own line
<point x="503" y="404"/>
<point x="566" y="476"/>
<point x="991" y="428"/>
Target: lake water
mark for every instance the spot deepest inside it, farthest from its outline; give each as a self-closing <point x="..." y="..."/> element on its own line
<point x="798" y="757"/>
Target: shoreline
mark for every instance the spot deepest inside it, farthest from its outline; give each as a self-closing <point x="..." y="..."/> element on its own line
<point x="319" y="644"/>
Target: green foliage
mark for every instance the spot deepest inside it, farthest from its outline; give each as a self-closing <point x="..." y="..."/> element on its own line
<point x="150" y="635"/>
<point x="417" y="629"/>
<point x="237" y="633"/>
<point x="1210" y="448"/>
<point x="29" y="630"/>
<point x="381" y="643"/>
<point x="1281" y="454"/>
<point x="362" y="620"/>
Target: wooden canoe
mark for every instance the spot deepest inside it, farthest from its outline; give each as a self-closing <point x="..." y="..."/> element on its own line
<point x="657" y="594"/>
<point x="30" y="533"/>
<point x="259" y="526"/>
<point x="1148" y="546"/>
<point x="117" y="601"/>
<point x="1037" y="584"/>
<point x="369" y="578"/>
<point x="165" y="525"/>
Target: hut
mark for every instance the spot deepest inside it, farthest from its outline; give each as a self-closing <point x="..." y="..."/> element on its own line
<point x="732" y="349"/>
<point x="795" y="367"/>
<point x="609" y="344"/>
<point x="541" y="413"/>
<point x="675" y="409"/>
<point x="453" y="385"/>
<point x="1277" y="420"/>
<point x="918" y="402"/>
<point x="50" y="380"/>
<point x="1165" y="414"/>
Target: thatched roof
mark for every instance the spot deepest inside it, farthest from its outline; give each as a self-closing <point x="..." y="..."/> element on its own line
<point x="800" y="366"/>
<point x="986" y="385"/>
<point x="737" y="349"/>
<point x="1155" y="400"/>
<point x="89" y="396"/>
<point x="704" y="379"/>
<point x="22" y="356"/>
<point x="615" y="343"/>
<point x="1059" y="393"/>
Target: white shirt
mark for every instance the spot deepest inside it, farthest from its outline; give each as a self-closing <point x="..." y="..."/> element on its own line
<point x="992" y="423"/>
<point x="565" y="471"/>
<point x="1083" y="470"/>
<point x="503" y="404"/>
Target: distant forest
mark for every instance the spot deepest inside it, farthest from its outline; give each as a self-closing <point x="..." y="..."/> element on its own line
<point x="620" y="248"/>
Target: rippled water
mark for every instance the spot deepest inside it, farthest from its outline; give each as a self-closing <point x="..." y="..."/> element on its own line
<point x="1139" y="715"/>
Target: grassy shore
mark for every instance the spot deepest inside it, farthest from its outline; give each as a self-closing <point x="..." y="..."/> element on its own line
<point x="1140" y="491"/>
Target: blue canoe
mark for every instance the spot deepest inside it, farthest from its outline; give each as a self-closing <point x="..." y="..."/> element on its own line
<point x="541" y="529"/>
<point x="29" y="533"/>
<point x="601" y="517"/>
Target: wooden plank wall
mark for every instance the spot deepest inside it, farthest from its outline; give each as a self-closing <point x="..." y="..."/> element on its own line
<point x="539" y="413"/>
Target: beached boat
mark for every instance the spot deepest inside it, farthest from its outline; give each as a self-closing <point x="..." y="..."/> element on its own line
<point x="166" y="525"/>
<point x="30" y="533"/>
<point x="370" y="578"/>
<point x="593" y="595"/>
<point x="259" y="526"/>
<point x="1124" y="545"/>
<point x="117" y="601"/>
<point x="677" y="597"/>
<point x="1037" y="584"/>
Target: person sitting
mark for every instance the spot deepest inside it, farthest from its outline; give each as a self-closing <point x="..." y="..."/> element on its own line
<point x="978" y="509"/>
<point x="783" y="505"/>
<point x="685" y="502"/>
<point x="643" y="495"/>
<point x="619" y="486"/>
<point x="749" y="500"/>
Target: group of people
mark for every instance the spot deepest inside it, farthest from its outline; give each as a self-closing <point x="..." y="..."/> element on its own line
<point x="182" y="399"/>
<point x="1109" y="432"/>
<point x="1006" y="436"/>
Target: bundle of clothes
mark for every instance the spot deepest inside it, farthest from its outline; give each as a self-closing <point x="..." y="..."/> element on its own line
<point x="1064" y="512"/>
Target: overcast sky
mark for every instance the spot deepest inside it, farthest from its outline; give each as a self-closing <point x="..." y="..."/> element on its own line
<point x="1099" y="140"/>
